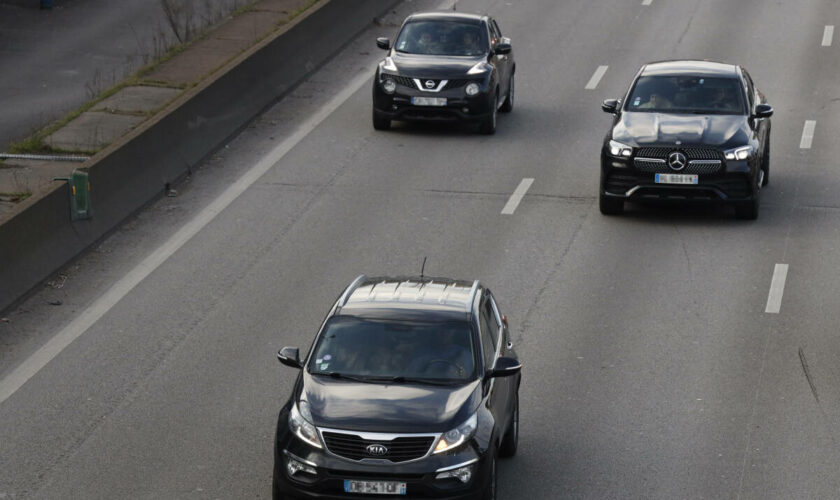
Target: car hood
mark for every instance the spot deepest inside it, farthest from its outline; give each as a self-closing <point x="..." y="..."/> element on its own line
<point x="647" y="129"/>
<point x="422" y="66"/>
<point x="349" y="405"/>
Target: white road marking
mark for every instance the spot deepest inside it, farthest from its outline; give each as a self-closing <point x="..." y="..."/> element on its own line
<point x="517" y="195"/>
<point x="599" y="73"/>
<point x="646" y="2"/>
<point x="807" y="134"/>
<point x="777" y="289"/>
<point x="121" y="288"/>
<point x="828" y="35"/>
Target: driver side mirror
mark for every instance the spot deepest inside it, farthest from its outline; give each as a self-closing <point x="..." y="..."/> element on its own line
<point x="290" y="356"/>
<point x="610" y="106"/>
<point x="763" y="111"/>
<point x="503" y="48"/>
<point x="383" y="43"/>
<point x="505" y="367"/>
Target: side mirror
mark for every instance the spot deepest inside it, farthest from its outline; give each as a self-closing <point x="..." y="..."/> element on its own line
<point x="503" y="48"/>
<point x="610" y="106"/>
<point x="290" y="356"/>
<point x="505" y="367"/>
<point x="383" y="43"/>
<point x="763" y="111"/>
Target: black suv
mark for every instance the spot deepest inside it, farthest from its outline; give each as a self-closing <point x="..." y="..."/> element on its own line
<point x="410" y="388"/>
<point x="694" y="130"/>
<point x="445" y="66"/>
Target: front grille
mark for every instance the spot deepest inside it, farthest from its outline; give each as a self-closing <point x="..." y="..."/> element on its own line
<point x="654" y="165"/>
<point x="401" y="449"/>
<point x="691" y="153"/>
<point x="402" y="80"/>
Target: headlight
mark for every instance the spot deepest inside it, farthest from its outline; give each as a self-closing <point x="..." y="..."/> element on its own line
<point x="741" y="153"/>
<point x="388" y="64"/>
<point x="389" y="86"/>
<point x="479" y="68"/>
<point x="472" y="89"/>
<point x="457" y="436"/>
<point x="619" y="149"/>
<point x="300" y="424"/>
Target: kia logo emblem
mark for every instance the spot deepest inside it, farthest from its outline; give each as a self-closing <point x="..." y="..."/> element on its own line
<point x="430" y="84"/>
<point x="376" y="449"/>
<point x="677" y="160"/>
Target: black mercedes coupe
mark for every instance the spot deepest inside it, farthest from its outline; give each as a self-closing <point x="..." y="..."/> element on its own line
<point x="687" y="130"/>
<point x="445" y="66"/>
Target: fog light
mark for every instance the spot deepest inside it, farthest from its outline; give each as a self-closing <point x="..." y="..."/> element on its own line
<point x="463" y="474"/>
<point x="472" y="89"/>
<point x="293" y="467"/>
<point x="465" y="110"/>
<point x="389" y="86"/>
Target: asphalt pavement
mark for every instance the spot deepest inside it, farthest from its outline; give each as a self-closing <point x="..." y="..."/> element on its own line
<point x="672" y="352"/>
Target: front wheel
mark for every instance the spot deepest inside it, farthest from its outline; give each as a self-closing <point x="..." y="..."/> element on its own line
<point x="488" y="126"/>
<point x="511" y="440"/>
<point x="747" y="210"/>
<point x="491" y="484"/>
<point x="507" y="107"/>
<point x="380" y="122"/>
<point x="610" y="206"/>
<point x="765" y="163"/>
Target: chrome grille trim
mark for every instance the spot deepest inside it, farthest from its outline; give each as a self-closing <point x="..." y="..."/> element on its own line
<point x="380" y="437"/>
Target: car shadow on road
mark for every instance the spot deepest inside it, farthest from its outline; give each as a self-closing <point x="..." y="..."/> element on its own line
<point x="690" y="213"/>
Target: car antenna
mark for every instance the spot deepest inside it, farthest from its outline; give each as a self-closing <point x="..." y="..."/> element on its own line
<point x="423" y="267"/>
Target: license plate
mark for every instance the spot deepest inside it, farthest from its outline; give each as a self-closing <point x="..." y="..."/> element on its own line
<point x="676" y="179"/>
<point x="374" y="487"/>
<point x="428" y="101"/>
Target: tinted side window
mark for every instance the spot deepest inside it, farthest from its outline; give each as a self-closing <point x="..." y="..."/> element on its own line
<point x="487" y="344"/>
<point x="495" y="36"/>
<point x="493" y="320"/>
<point x="745" y="78"/>
<point x="496" y="27"/>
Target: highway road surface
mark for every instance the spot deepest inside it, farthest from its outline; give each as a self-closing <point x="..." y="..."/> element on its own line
<point x="672" y="352"/>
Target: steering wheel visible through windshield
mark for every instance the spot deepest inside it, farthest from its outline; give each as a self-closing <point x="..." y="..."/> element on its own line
<point x="687" y="94"/>
<point x="387" y="349"/>
<point x="442" y="38"/>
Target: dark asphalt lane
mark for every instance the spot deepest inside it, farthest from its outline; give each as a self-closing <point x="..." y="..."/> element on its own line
<point x="651" y="368"/>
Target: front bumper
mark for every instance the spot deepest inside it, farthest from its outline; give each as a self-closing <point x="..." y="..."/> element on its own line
<point x="459" y="106"/>
<point x="734" y="182"/>
<point x="332" y="471"/>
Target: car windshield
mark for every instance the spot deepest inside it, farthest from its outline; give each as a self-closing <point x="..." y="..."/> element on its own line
<point x="394" y="350"/>
<point x="442" y="38"/>
<point x="687" y="94"/>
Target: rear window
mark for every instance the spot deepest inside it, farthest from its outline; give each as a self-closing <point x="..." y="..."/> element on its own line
<point x="360" y="347"/>
<point x="687" y="94"/>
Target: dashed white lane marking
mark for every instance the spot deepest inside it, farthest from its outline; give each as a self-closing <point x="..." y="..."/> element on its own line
<point x="777" y="289"/>
<point x="599" y="73"/>
<point x="517" y="195"/>
<point x="32" y="365"/>
<point x="828" y="35"/>
<point x="646" y="2"/>
<point x="807" y="134"/>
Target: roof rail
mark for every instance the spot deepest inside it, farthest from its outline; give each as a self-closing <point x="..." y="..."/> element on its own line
<point x="350" y="289"/>
<point x="473" y="291"/>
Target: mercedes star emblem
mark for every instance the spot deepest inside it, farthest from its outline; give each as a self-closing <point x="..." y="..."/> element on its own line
<point x="677" y="161"/>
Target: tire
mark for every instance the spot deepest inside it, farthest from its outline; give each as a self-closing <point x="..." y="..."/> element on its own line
<point x="765" y="163"/>
<point x="488" y="126"/>
<point x="610" y="206"/>
<point x="490" y="487"/>
<point x="380" y="122"/>
<point x="507" y="107"/>
<point x="747" y="210"/>
<point x="276" y="494"/>
<point x="510" y="442"/>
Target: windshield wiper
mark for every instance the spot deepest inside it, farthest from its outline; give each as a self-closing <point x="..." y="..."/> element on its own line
<point x="399" y="379"/>
<point x="338" y="375"/>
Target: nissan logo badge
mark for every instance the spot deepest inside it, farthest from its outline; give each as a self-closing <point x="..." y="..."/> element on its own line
<point x="376" y="450"/>
<point x="430" y="84"/>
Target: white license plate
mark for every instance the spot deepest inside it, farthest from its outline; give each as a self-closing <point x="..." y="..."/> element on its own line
<point x="676" y="179"/>
<point x="428" y="101"/>
<point x="374" y="487"/>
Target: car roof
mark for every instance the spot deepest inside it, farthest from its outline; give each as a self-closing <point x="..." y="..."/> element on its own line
<point x="690" y="68"/>
<point x="409" y="297"/>
<point x="445" y="16"/>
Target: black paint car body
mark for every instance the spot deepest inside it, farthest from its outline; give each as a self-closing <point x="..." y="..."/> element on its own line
<point x="388" y="428"/>
<point x="690" y="118"/>
<point x="410" y="72"/>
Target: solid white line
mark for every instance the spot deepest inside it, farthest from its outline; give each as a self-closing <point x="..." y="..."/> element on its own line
<point x="599" y="73"/>
<point x="121" y="288"/>
<point x="807" y="134"/>
<point x="777" y="289"/>
<point x="517" y="195"/>
<point x="828" y="35"/>
<point x="646" y="2"/>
